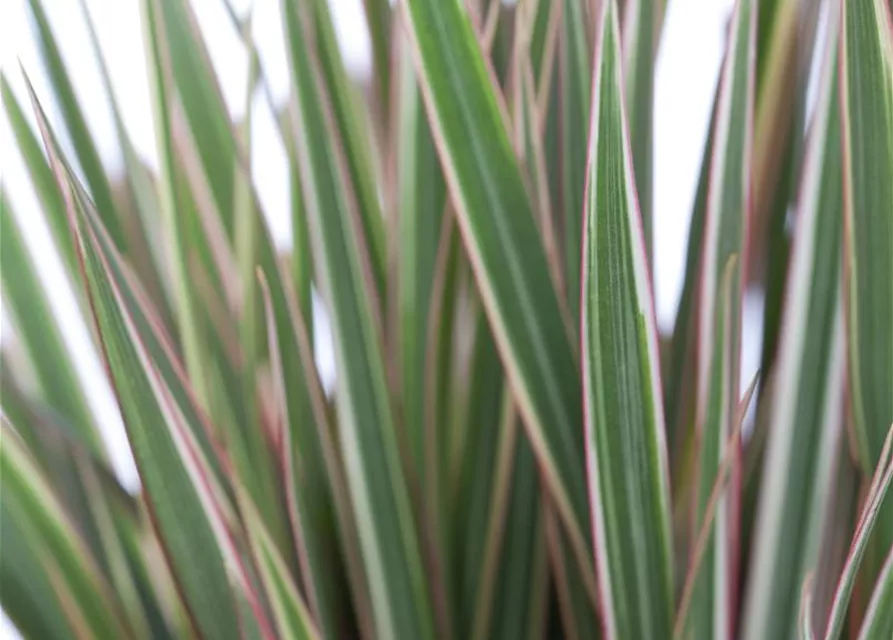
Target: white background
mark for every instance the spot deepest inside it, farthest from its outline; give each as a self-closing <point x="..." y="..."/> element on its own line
<point x="687" y="66"/>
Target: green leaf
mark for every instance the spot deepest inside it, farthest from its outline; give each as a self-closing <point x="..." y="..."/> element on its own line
<point x="720" y="320"/>
<point x="401" y="603"/>
<point x="520" y="585"/>
<point x="30" y="309"/>
<point x="878" y="621"/>
<point x="26" y="593"/>
<point x="177" y="216"/>
<point x="508" y="260"/>
<point x="805" y="617"/>
<point x="351" y="135"/>
<point x="528" y="123"/>
<point x="315" y="485"/>
<point x="500" y="533"/>
<point x="181" y="55"/>
<point x="186" y="509"/>
<point x="84" y="147"/>
<point x="378" y="17"/>
<point x="806" y="414"/>
<point x="302" y="260"/>
<point x="86" y="599"/>
<point x="866" y="90"/>
<point x="292" y="617"/>
<point x="717" y="500"/>
<point x="640" y="29"/>
<point x="680" y="386"/>
<point x="786" y="36"/>
<point x="421" y="200"/>
<point x="575" y="82"/>
<point x="145" y="255"/>
<point x="874" y="500"/>
<point x="478" y="476"/>
<point x="41" y="175"/>
<point x="626" y="451"/>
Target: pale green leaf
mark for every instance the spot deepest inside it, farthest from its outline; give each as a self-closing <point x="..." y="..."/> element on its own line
<point x="806" y="414"/>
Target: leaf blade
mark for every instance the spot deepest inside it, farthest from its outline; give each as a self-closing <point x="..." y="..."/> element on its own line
<point x="623" y="404"/>
<point x="806" y="423"/>
<point x="496" y="219"/>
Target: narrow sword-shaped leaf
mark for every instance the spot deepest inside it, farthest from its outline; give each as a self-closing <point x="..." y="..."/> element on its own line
<point x="728" y="203"/>
<point x="144" y="254"/>
<point x="878" y="620"/>
<point x="390" y="544"/>
<point x="528" y="124"/>
<point x="477" y="476"/>
<point x="82" y="140"/>
<point x="38" y="328"/>
<point x="844" y="503"/>
<point x="680" y="385"/>
<point x="507" y="256"/>
<point x="715" y="501"/>
<point x="41" y="175"/>
<point x="85" y="597"/>
<point x="624" y="418"/>
<point x="184" y="505"/>
<point x="175" y="212"/>
<point x="26" y="593"/>
<point x="521" y="584"/>
<point x="420" y="201"/>
<point x="718" y="448"/>
<point x="640" y="41"/>
<point x="313" y="473"/>
<point x="378" y="17"/>
<point x="353" y="137"/>
<point x="575" y="82"/>
<point x="804" y="622"/>
<point x="786" y="46"/>
<point x="866" y="94"/>
<point x="866" y="91"/>
<point x="869" y="519"/>
<point x="503" y="532"/>
<point x="291" y="614"/>
<point x="807" y="409"/>
<point x="579" y="620"/>
<point x="190" y="71"/>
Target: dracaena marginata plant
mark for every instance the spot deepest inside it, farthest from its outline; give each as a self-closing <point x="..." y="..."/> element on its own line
<point x="510" y="448"/>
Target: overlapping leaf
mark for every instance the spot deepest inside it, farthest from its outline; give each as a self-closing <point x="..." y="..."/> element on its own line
<point x="187" y="506"/>
<point x="575" y="81"/>
<point x="728" y="201"/>
<point x="871" y="516"/>
<point x="807" y="412"/>
<point x="86" y="600"/>
<point x="626" y="451"/>
<point x="40" y="334"/>
<point x="640" y="40"/>
<point x="401" y="603"/>
<point x="866" y="86"/>
<point x="507" y="256"/>
<point x="879" y="616"/>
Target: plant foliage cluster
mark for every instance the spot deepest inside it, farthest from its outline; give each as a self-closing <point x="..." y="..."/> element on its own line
<point x="510" y="449"/>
